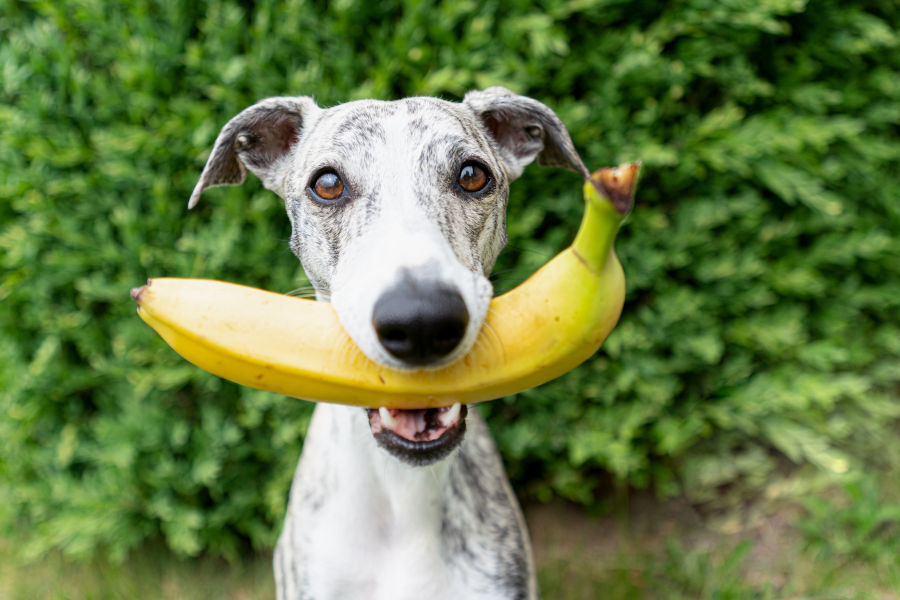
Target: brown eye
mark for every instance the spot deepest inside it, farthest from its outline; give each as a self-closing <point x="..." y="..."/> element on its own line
<point x="472" y="177"/>
<point x="328" y="186"/>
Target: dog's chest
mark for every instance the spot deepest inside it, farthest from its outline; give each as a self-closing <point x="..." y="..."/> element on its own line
<point x="379" y="564"/>
<point x="363" y="525"/>
<point x="369" y="542"/>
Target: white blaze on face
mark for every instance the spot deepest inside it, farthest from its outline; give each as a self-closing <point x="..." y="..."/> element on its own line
<point x="401" y="241"/>
<point x="398" y="246"/>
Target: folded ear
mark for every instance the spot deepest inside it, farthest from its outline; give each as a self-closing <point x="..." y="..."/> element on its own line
<point x="256" y="139"/>
<point x="524" y="129"/>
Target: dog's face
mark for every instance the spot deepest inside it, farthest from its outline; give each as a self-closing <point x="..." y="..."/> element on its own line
<point x="398" y="214"/>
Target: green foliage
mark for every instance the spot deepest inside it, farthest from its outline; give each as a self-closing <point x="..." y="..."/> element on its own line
<point x="763" y="260"/>
<point x="861" y="523"/>
<point x="678" y="573"/>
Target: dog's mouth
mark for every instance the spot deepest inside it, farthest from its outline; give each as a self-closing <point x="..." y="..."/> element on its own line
<point x="419" y="437"/>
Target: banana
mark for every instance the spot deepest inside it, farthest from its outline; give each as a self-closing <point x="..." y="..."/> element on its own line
<point x="541" y="329"/>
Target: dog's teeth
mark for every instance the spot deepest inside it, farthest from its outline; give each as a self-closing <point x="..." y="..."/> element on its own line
<point x="449" y="417"/>
<point x="387" y="419"/>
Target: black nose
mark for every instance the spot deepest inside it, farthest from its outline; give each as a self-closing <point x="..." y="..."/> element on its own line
<point x="420" y="323"/>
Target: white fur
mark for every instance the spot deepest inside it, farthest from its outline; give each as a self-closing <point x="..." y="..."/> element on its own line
<point x="362" y="524"/>
<point x="378" y="535"/>
<point x="406" y="242"/>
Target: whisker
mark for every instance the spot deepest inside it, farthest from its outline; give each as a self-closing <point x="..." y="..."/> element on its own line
<point x="495" y="338"/>
<point x="348" y="351"/>
<point x="491" y="338"/>
<point x="503" y="281"/>
<point x="340" y="352"/>
<point x="480" y="343"/>
<point x="494" y="274"/>
<point x="527" y="249"/>
<point x="306" y="291"/>
<point x="501" y="288"/>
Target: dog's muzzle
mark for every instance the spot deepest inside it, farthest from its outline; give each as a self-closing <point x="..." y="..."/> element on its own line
<point x="420" y="323"/>
<point x="419" y="437"/>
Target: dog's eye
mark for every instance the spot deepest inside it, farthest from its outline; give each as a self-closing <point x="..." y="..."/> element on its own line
<point x="472" y="177"/>
<point x="328" y="186"/>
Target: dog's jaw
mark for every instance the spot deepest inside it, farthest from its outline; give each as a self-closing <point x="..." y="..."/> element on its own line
<point x="419" y="437"/>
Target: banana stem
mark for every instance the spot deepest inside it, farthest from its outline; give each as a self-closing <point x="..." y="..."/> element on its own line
<point x="608" y="196"/>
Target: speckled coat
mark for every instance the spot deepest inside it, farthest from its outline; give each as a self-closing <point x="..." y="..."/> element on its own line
<point x="367" y="520"/>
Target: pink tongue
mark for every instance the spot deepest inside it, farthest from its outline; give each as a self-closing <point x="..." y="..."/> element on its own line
<point x="410" y="424"/>
<point x="414" y="425"/>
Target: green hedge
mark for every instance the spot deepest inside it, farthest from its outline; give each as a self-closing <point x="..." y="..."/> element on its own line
<point x="763" y="256"/>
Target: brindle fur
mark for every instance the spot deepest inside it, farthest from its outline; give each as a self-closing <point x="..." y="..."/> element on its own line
<point x="360" y="522"/>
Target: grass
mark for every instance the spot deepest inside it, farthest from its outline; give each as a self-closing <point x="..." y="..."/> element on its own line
<point x="839" y="544"/>
<point x="153" y="573"/>
<point x="689" y="560"/>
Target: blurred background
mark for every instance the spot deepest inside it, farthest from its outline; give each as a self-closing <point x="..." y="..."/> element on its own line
<point x="738" y="436"/>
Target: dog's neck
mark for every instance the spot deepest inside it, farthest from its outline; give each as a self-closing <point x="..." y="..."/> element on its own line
<point x="406" y="498"/>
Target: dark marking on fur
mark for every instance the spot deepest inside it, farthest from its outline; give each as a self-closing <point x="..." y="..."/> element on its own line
<point x="371" y="208"/>
<point x="358" y="127"/>
<point x="480" y="528"/>
<point x="283" y="141"/>
<point x="412" y="106"/>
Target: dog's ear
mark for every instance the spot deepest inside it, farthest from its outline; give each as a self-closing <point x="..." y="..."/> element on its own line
<point x="256" y="139"/>
<point x="524" y="130"/>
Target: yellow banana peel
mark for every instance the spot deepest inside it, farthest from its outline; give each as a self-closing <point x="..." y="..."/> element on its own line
<point x="539" y="330"/>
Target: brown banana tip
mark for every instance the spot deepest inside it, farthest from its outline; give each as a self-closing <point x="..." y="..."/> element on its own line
<point x="617" y="184"/>
<point x="136" y="292"/>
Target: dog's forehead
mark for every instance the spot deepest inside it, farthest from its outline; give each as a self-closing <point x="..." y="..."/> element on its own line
<point x="364" y="124"/>
<point x="353" y="117"/>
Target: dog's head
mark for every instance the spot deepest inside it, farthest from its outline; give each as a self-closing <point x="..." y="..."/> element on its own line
<point x="398" y="214"/>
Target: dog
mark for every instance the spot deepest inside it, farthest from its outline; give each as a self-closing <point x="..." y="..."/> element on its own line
<point x="398" y="212"/>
